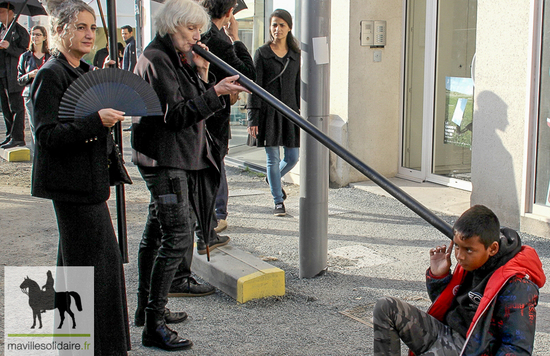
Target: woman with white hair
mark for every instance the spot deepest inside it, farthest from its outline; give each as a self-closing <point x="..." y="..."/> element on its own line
<point x="174" y="156"/>
<point x="71" y="168"/>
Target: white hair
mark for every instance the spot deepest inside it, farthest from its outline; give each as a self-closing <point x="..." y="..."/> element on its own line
<point x="176" y="13"/>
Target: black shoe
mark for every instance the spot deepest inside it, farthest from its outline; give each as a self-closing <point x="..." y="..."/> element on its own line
<point x="169" y="317"/>
<point x="191" y="288"/>
<point x="13" y="144"/>
<point x="164" y="338"/>
<point x="284" y="193"/>
<point x="279" y="210"/>
<point x="216" y="242"/>
<point x="6" y="140"/>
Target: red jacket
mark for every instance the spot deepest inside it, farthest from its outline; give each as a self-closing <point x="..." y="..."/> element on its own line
<point x="505" y="319"/>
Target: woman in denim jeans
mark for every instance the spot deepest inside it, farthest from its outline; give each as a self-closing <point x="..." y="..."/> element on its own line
<point x="277" y="71"/>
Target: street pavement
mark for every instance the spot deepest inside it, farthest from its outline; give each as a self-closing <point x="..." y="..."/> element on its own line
<point x="376" y="247"/>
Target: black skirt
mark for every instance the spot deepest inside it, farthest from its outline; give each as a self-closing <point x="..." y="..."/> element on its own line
<point x="87" y="238"/>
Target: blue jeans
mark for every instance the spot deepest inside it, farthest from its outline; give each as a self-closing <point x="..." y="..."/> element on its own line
<point x="29" y="108"/>
<point x="276" y="169"/>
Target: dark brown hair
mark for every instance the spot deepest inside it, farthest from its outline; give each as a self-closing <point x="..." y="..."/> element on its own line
<point x="45" y="47"/>
<point x="290" y="40"/>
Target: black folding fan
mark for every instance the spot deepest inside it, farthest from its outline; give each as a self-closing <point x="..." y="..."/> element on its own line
<point x="109" y="88"/>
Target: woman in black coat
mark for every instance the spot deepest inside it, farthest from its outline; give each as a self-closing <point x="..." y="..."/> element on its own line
<point x="277" y="71"/>
<point x="71" y="168"/>
<point x="29" y="64"/>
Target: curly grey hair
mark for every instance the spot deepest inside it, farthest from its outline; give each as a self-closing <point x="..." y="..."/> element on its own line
<point x="63" y="14"/>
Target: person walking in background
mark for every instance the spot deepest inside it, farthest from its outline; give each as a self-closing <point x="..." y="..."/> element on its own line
<point x="129" y="56"/>
<point x="29" y="64"/>
<point x="11" y="48"/>
<point x="70" y="167"/>
<point x="175" y="157"/>
<point x="277" y="71"/>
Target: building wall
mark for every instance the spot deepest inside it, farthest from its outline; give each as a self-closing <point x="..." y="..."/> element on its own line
<point x="502" y="76"/>
<point x="365" y="95"/>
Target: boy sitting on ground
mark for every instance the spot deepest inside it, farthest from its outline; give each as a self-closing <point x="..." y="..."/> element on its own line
<point x="485" y="307"/>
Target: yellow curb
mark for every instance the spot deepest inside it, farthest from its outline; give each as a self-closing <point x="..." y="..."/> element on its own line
<point x="17" y="154"/>
<point x="264" y="283"/>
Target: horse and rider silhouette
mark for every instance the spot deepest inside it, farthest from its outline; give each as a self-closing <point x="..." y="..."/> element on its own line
<point x="47" y="298"/>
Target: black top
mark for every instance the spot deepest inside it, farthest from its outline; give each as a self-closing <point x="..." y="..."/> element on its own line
<point x="99" y="57"/>
<point x="273" y="128"/>
<point x="236" y="55"/>
<point x="70" y="162"/>
<point x="179" y="139"/>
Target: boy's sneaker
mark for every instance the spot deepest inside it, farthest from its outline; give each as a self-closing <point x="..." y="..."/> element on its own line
<point x="216" y="242"/>
<point x="222" y="225"/>
<point x="279" y="210"/>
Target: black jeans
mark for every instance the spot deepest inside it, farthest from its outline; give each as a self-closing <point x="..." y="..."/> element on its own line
<point x="167" y="239"/>
<point x="13" y="108"/>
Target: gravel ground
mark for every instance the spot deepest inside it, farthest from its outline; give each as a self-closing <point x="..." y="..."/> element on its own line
<point x="376" y="247"/>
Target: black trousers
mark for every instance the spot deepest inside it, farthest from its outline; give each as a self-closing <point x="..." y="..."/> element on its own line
<point x="13" y="108"/>
<point x="87" y="238"/>
<point x="167" y="241"/>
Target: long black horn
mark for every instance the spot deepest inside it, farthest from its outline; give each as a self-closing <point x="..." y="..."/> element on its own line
<point x="376" y="177"/>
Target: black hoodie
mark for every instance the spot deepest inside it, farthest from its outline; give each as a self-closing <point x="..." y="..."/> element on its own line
<point x="463" y="309"/>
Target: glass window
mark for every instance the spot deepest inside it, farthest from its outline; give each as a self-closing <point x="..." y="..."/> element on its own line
<point x="251" y="33"/>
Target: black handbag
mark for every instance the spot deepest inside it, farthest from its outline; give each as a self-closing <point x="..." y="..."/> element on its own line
<point x="117" y="172"/>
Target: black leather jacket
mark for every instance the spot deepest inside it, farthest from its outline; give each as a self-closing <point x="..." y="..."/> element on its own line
<point x="179" y="139"/>
<point x="27" y="63"/>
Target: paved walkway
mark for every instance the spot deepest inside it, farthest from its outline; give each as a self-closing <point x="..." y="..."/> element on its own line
<point x="376" y="247"/>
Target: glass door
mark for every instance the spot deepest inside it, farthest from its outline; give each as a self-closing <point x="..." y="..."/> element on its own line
<point x="439" y="91"/>
<point x="415" y="48"/>
<point x="454" y="92"/>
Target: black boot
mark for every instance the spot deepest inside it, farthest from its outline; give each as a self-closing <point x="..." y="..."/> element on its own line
<point x="139" y="316"/>
<point x="157" y="334"/>
<point x="146" y="259"/>
<point x="170" y="317"/>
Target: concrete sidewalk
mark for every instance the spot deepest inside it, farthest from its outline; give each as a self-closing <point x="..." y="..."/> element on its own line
<point x="376" y="247"/>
